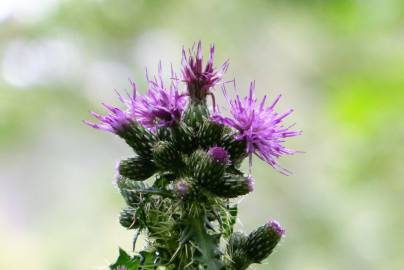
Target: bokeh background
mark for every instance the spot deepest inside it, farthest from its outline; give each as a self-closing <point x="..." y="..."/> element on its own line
<point x="339" y="64"/>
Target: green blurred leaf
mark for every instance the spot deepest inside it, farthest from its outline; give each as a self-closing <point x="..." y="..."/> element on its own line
<point x="367" y="101"/>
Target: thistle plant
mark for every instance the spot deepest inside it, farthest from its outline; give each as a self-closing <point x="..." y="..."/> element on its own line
<point x="182" y="184"/>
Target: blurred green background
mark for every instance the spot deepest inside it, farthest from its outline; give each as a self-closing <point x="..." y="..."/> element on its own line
<point x="340" y="64"/>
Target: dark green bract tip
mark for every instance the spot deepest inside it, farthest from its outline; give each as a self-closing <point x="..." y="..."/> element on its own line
<point x="137" y="168"/>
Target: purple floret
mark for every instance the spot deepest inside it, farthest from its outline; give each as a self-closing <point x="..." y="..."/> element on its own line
<point x="219" y="154"/>
<point x="250" y="183"/>
<point x="200" y="79"/>
<point x="275" y="226"/>
<point x="160" y="107"/>
<point x="259" y="126"/>
<point x="113" y="121"/>
<point x="116" y="118"/>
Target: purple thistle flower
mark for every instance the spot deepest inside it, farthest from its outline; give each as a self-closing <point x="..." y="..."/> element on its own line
<point x="200" y="79"/>
<point x="276" y="227"/>
<point x="160" y="107"/>
<point x="219" y="154"/>
<point x="113" y="121"/>
<point x="259" y="126"/>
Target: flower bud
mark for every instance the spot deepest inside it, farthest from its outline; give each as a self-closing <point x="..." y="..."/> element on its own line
<point x="262" y="242"/>
<point x="182" y="188"/>
<point x="210" y="133"/>
<point x="183" y="138"/>
<point x="139" y="138"/>
<point x="205" y="169"/>
<point x="137" y="168"/>
<point x="219" y="154"/>
<point x="232" y="185"/>
<point x="127" y="218"/>
<point x="235" y="148"/>
<point x="166" y="157"/>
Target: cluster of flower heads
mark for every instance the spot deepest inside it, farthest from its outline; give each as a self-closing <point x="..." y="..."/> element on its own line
<point x="260" y="126"/>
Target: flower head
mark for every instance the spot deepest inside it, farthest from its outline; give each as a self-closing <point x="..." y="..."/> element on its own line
<point x="161" y="106"/>
<point x="259" y="126"/>
<point x="200" y="79"/>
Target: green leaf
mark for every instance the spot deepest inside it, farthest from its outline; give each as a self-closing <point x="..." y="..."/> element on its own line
<point x="148" y="259"/>
<point x="124" y="259"/>
<point x="207" y="245"/>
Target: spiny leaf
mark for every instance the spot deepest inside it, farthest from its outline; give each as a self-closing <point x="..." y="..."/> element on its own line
<point x="207" y="245"/>
<point x="125" y="260"/>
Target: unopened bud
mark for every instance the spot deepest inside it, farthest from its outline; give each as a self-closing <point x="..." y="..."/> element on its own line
<point x="262" y="242"/>
<point x="166" y="157"/>
<point x="232" y="185"/>
<point x="137" y="168"/>
<point x="183" y="138"/>
<point x="235" y="148"/>
<point x="182" y="188"/>
<point x="139" y="138"/>
<point x="210" y="133"/>
<point x="219" y="154"/>
<point x="205" y="169"/>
